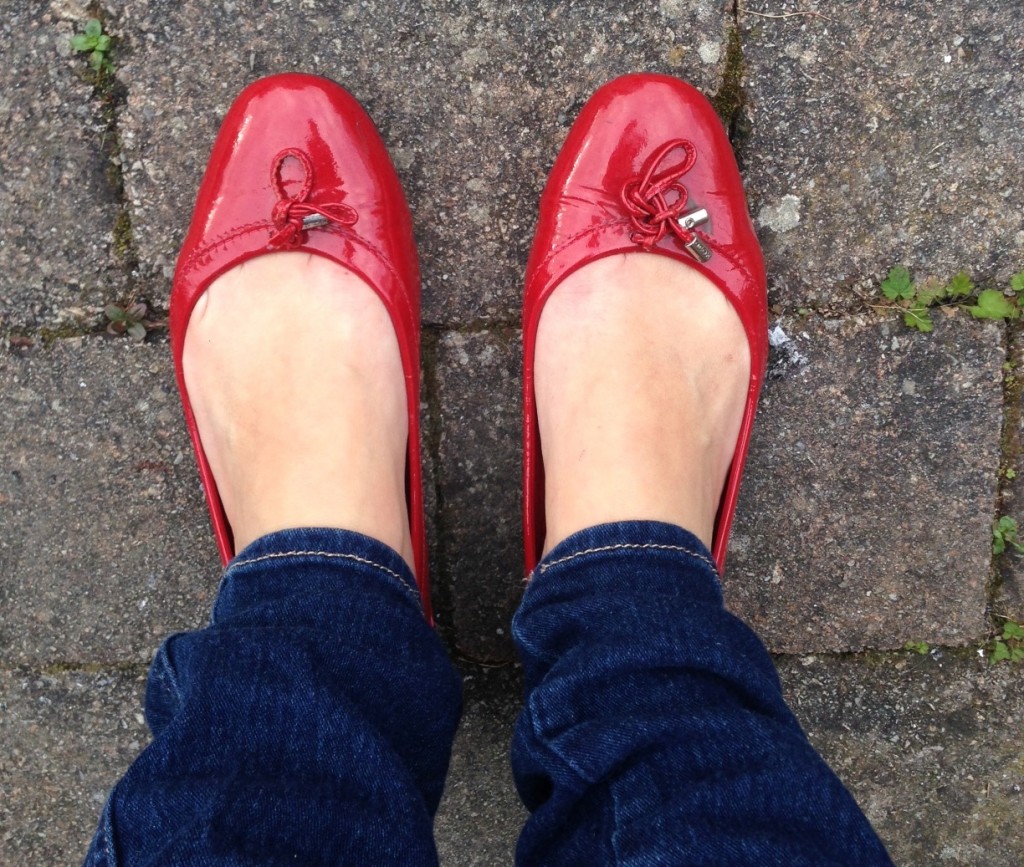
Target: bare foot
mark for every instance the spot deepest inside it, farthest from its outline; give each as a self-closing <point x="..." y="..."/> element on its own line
<point x="641" y="375"/>
<point x="294" y="373"/>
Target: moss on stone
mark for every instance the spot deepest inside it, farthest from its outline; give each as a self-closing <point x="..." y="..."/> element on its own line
<point x="728" y="101"/>
<point x="124" y="237"/>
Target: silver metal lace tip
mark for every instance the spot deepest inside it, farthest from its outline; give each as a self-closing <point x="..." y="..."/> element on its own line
<point x="699" y="250"/>
<point x="314" y="221"/>
<point x="694" y="218"/>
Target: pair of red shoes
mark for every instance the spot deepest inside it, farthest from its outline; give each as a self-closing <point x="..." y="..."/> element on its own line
<point x="299" y="165"/>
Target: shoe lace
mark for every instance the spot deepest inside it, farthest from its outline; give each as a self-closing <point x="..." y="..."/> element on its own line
<point x="293" y="215"/>
<point x="656" y="203"/>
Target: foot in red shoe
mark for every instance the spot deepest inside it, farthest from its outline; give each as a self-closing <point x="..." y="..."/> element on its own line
<point x="641" y="374"/>
<point x="329" y="449"/>
<point x="642" y="371"/>
<point x="295" y="325"/>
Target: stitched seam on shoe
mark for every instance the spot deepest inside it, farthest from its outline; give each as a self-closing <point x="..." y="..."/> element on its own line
<point x="391" y="270"/>
<point x="715" y="246"/>
<point x="330" y="555"/>
<point x="222" y="240"/>
<point x="227" y="237"/>
<point x="720" y="250"/>
<point x="647" y="546"/>
<point x="574" y="238"/>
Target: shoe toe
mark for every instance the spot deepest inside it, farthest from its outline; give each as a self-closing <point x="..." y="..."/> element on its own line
<point x="647" y="166"/>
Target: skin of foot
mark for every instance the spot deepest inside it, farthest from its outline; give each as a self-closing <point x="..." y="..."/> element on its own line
<point x="641" y="375"/>
<point x="294" y="374"/>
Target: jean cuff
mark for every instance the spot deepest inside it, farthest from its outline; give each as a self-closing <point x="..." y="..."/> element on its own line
<point x="292" y="547"/>
<point x="637" y="538"/>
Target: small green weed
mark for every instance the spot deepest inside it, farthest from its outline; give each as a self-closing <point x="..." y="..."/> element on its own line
<point x="96" y="43"/>
<point x="1005" y="532"/>
<point x="917" y="299"/>
<point x="1009" y="645"/>
<point x="131" y="319"/>
<point x="921" y="647"/>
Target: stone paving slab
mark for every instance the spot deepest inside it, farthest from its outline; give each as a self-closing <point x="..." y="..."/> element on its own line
<point x="106" y="546"/>
<point x="66" y="737"/>
<point x="473" y="100"/>
<point x="867" y="503"/>
<point x="929" y="745"/>
<point x="481" y="815"/>
<point x="874" y="468"/>
<point x="56" y="266"/>
<point x="883" y="133"/>
<point x="480" y="417"/>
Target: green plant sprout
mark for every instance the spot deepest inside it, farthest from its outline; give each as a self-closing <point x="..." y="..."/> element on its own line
<point x="1009" y="646"/>
<point x="1005" y="532"/>
<point x="130" y="319"/>
<point x="917" y="299"/>
<point x="921" y="647"/>
<point x="96" y="42"/>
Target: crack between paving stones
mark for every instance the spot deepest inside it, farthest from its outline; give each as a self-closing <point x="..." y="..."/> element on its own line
<point x="730" y="99"/>
<point x="879" y="657"/>
<point x="55" y="669"/>
<point x="111" y="96"/>
<point x="440" y="584"/>
<point x="1009" y="458"/>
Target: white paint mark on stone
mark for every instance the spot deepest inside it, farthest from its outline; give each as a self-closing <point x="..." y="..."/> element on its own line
<point x="787" y="355"/>
<point x="777" y="337"/>
<point x="781" y="217"/>
<point x="710" y="52"/>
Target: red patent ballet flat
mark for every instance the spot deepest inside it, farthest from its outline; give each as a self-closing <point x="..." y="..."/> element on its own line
<point x="647" y="166"/>
<point x="299" y="165"/>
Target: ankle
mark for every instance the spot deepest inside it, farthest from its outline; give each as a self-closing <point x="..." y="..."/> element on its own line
<point x="316" y="434"/>
<point x="640" y="376"/>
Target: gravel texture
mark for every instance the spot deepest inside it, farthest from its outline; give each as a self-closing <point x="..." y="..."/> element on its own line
<point x="481" y="816"/>
<point x="106" y="546"/>
<point x="929" y="745"/>
<point x="883" y="133"/>
<point x="481" y="557"/>
<point x="869" y="134"/>
<point x="65" y="735"/>
<point x="865" y="514"/>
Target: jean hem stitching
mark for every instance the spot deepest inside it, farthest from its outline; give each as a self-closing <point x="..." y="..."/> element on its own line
<point x="648" y="546"/>
<point x="334" y="556"/>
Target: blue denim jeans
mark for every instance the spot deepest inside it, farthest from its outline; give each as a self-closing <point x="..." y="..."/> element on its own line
<point x="311" y="722"/>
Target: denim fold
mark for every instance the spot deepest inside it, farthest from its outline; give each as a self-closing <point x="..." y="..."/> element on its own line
<point x="311" y="722"/>
<point x="654" y="730"/>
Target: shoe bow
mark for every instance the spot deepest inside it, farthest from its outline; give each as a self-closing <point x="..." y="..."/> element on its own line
<point x="656" y="200"/>
<point x="293" y="215"/>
